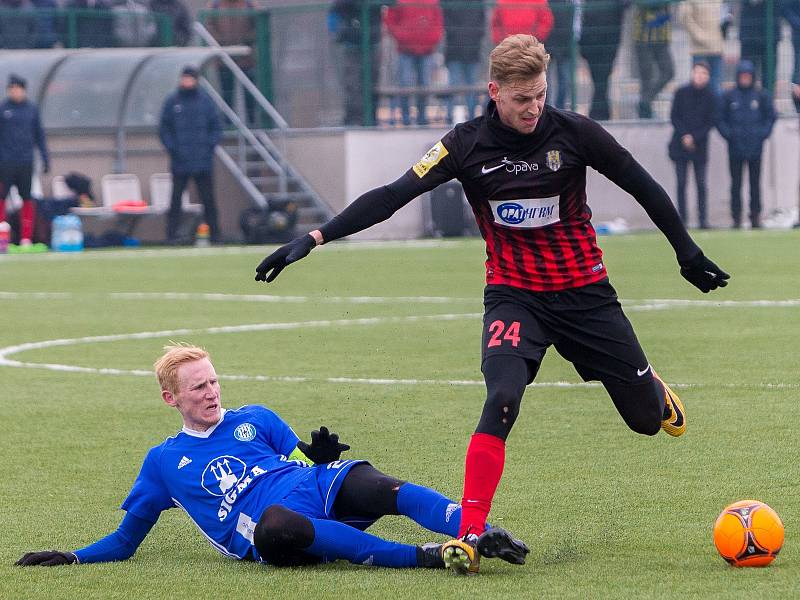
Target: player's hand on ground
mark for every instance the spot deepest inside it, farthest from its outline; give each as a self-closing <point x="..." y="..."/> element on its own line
<point x="704" y="274"/>
<point x="276" y="262"/>
<point x="324" y="448"/>
<point x="48" y="558"/>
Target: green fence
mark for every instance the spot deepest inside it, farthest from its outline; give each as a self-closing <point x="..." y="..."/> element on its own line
<point x="83" y="28"/>
<point x="341" y="63"/>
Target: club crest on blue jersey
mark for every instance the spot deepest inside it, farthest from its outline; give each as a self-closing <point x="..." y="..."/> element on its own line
<point x="554" y="160"/>
<point x="222" y="473"/>
<point x="245" y="432"/>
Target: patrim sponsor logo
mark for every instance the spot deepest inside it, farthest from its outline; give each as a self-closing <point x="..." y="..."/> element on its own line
<point x="526" y="213"/>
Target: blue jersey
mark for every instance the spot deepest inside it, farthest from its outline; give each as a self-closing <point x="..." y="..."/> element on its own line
<point x="223" y="478"/>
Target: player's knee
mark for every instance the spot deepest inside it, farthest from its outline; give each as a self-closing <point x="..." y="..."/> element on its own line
<point x="499" y="412"/>
<point x="646" y="426"/>
<point x="280" y="531"/>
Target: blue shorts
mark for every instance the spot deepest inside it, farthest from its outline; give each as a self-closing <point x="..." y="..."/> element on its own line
<point x="315" y="496"/>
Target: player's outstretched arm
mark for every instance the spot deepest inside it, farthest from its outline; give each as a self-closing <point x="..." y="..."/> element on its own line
<point x="704" y="274"/>
<point x="695" y="267"/>
<point x="120" y="545"/>
<point x="367" y="210"/>
<point x="324" y="447"/>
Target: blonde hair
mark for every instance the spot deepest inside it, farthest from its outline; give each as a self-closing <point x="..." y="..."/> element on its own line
<point x="518" y="57"/>
<point x="175" y="355"/>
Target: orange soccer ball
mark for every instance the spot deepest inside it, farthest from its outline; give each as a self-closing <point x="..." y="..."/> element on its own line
<point x="748" y="533"/>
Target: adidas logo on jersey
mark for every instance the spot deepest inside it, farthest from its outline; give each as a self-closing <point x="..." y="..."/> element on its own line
<point x="184" y="461"/>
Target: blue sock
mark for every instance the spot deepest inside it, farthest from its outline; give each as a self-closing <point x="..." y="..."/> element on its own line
<point x="429" y="508"/>
<point x="334" y="540"/>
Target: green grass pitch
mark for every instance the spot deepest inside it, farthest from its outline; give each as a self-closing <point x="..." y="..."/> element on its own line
<point x="606" y="513"/>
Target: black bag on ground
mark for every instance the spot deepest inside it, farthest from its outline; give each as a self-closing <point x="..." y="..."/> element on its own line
<point x="275" y="224"/>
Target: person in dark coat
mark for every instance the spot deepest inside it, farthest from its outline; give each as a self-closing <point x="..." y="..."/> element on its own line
<point x="190" y="129"/>
<point x="179" y="16"/>
<point x="790" y="10"/>
<point x="692" y="115"/>
<point x="561" y="45"/>
<point x="45" y="23"/>
<point x="755" y="41"/>
<point x="601" y="30"/>
<point x="20" y="132"/>
<point x="345" y="23"/>
<point x="17" y="25"/>
<point x="745" y="119"/>
<point x="464" y="25"/>
<point x="94" y="24"/>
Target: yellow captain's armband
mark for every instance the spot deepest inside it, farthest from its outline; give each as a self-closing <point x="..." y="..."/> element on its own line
<point x="430" y="160"/>
<point x="298" y="455"/>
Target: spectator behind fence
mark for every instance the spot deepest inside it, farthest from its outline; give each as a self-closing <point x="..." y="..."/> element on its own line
<point x="601" y="29"/>
<point x="796" y="100"/>
<point x="17" y="24"/>
<point x="521" y="16"/>
<point x="179" y="17"/>
<point x="753" y="37"/>
<point x="693" y="111"/>
<point x="45" y="23"/>
<point x="562" y="45"/>
<point x="790" y="10"/>
<point x="94" y="24"/>
<point x="464" y="24"/>
<point x="230" y="29"/>
<point x="345" y="23"/>
<point x="652" y="34"/>
<point x="189" y="130"/>
<point x="20" y="132"/>
<point x="417" y="27"/>
<point x="701" y="18"/>
<point x="134" y="25"/>
<point x="745" y="120"/>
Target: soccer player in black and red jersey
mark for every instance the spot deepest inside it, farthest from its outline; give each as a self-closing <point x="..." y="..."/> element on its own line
<point x="523" y="168"/>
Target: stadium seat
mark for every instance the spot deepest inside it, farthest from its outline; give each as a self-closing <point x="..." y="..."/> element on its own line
<point x="161" y="194"/>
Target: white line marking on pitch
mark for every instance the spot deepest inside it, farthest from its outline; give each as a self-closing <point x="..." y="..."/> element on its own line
<point x="11" y="350"/>
<point x="137" y="253"/>
<point x="289" y="299"/>
<point x="167" y="333"/>
<point x="630" y="305"/>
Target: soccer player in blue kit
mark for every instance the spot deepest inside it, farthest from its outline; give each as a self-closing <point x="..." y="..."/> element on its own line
<point x="248" y="483"/>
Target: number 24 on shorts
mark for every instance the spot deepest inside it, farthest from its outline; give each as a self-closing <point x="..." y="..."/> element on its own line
<point x="501" y="334"/>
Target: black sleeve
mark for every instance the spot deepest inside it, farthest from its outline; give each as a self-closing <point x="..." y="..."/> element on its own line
<point x="436" y="167"/>
<point x="372" y="207"/>
<point x="607" y="156"/>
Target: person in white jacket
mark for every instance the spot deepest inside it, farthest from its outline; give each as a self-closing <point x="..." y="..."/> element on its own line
<point x="701" y="18"/>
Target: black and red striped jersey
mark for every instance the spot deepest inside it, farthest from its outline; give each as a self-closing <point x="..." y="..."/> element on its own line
<point x="528" y="194"/>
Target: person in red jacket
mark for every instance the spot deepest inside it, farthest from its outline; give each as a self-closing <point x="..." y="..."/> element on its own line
<point x="521" y="16"/>
<point x="417" y="26"/>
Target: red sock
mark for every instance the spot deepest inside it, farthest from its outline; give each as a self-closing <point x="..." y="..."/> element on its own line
<point x="483" y="469"/>
<point x="27" y="217"/>
<point x="2" y="205"/>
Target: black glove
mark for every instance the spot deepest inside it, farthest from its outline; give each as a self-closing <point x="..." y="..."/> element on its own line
<point x="46" y="167"/>
<point x="704" y="274"/>
<point x="324" y="447"/>
<point x="285" y="255"/>
<point x="48" y="558"/>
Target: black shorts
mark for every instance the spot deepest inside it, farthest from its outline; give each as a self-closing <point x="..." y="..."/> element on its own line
<point x="586" y="325"/>
<point x="16" y="175"/>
